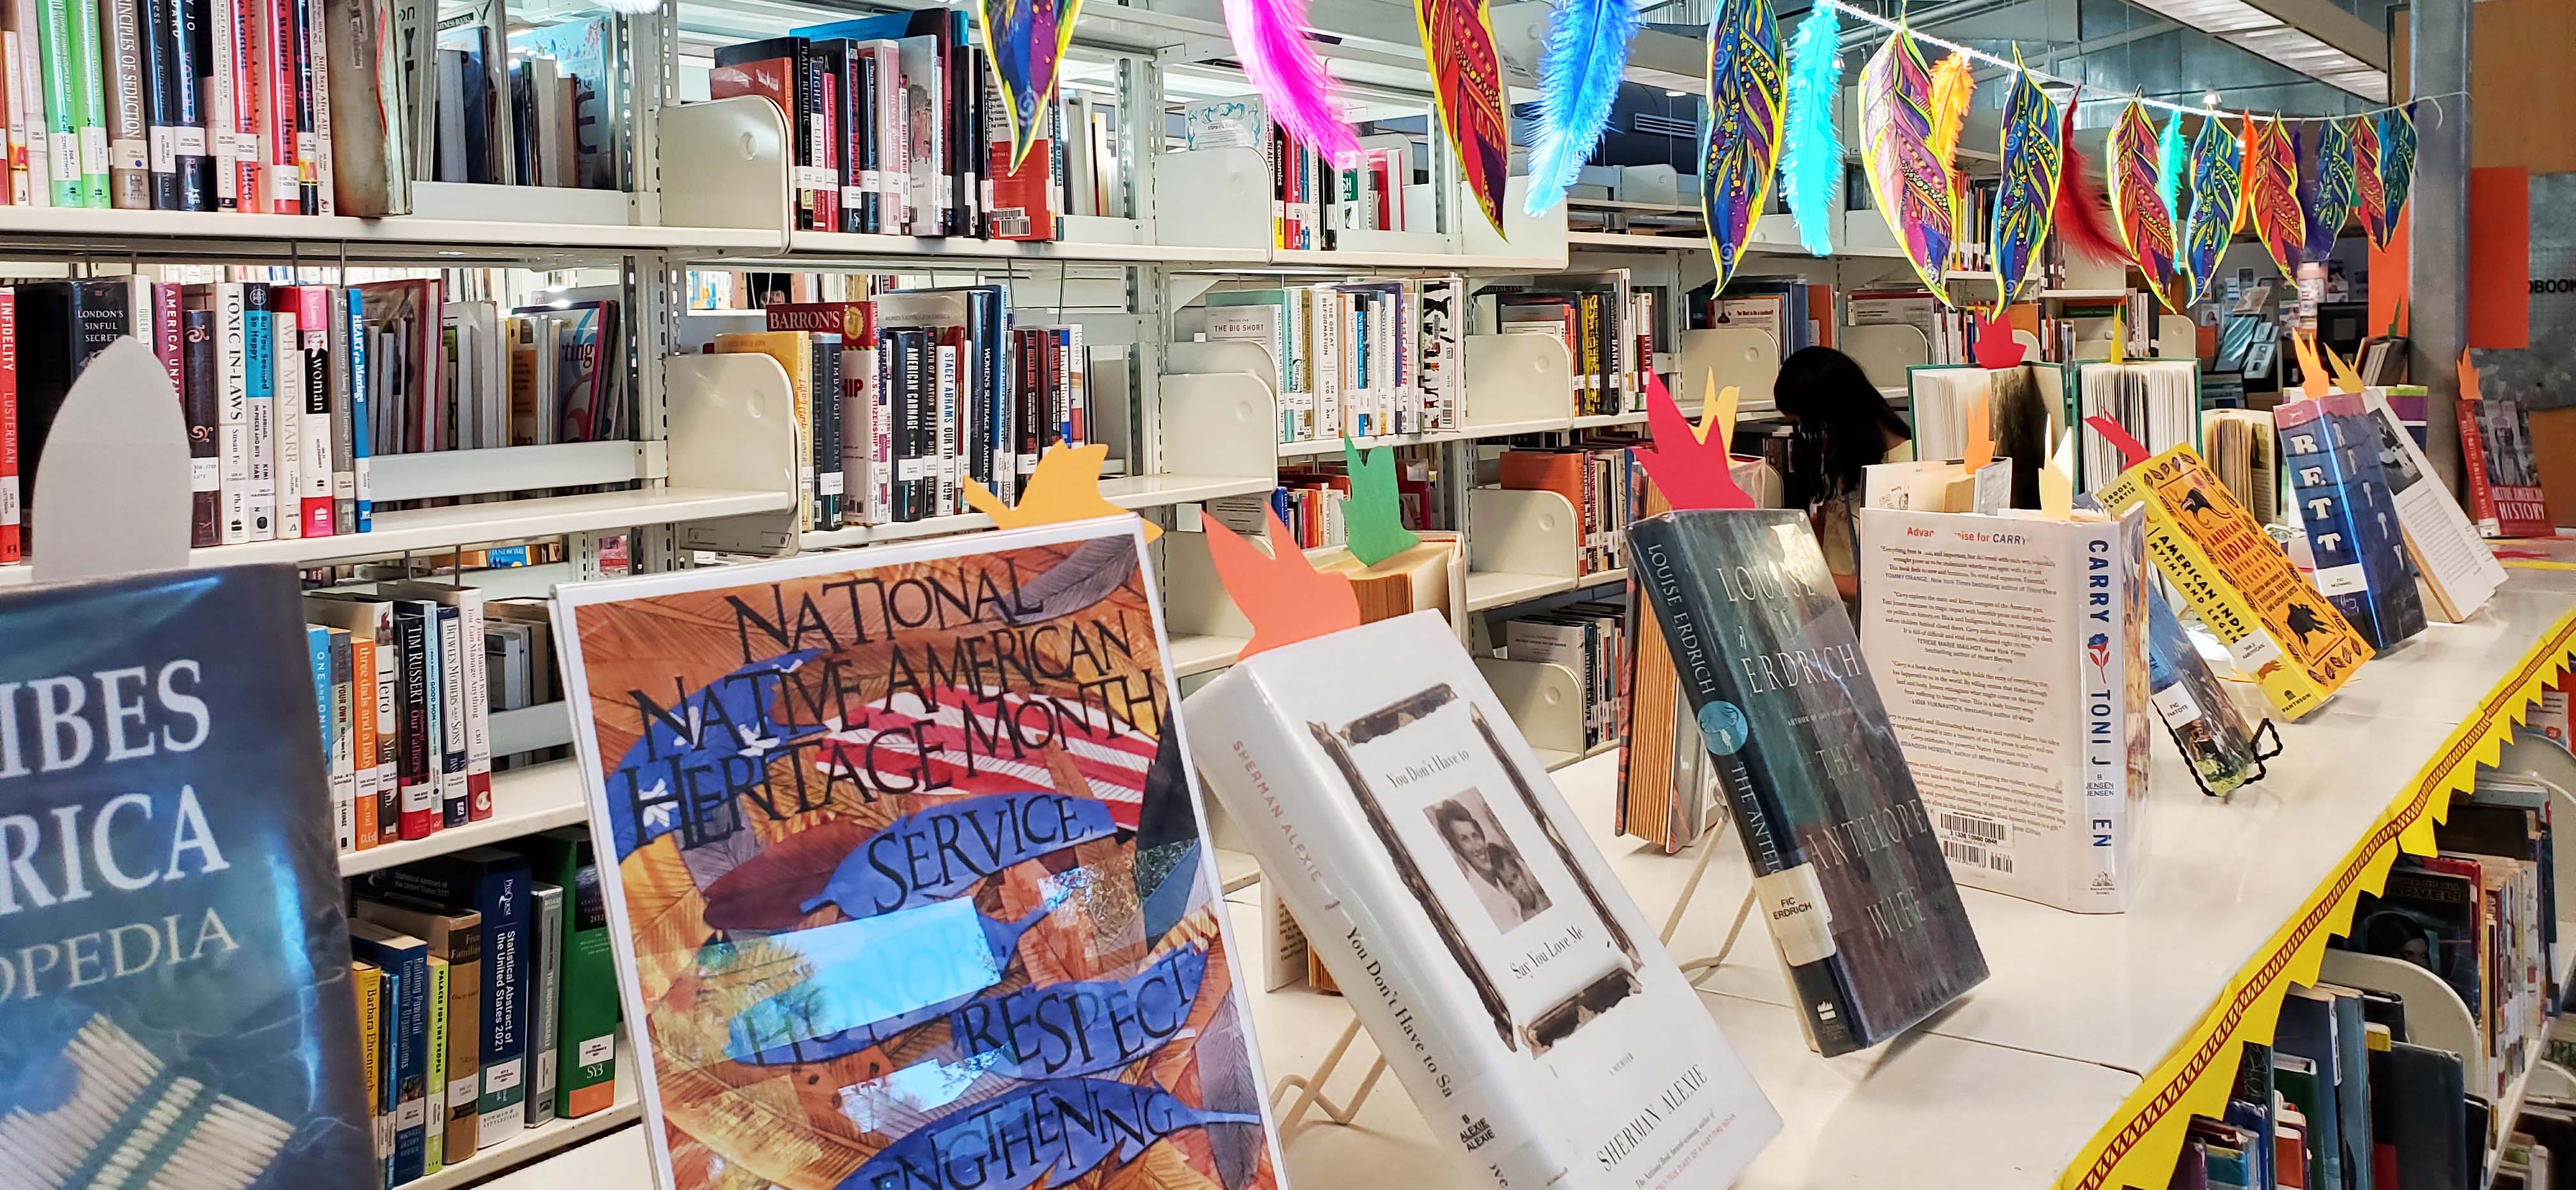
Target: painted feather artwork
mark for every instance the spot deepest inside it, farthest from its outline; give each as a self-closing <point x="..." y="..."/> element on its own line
<point x="1458" y="42"/>
<point x="1908" y="181"/>
<point x="1746" y="99"/>
<point x="1027" y="40"/>
<point x="2272" y="193"/>
<point x="2369" y="191"/>
<point x="2396" y="170"/>
<point x="2138" y="205"/>
<point x="910" y="872"/>
<point x="2217" y="202"/>
<point x="2034" y="160"/>
<point x="2337" y="192"/>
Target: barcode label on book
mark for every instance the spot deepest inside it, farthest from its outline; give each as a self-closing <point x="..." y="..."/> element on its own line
<point x="1010" y="223"/>
<point x="1973" y="828"/>
<point x="165" y="149"/>
<point x="2342" y="580"/>
<point x="1976" y="857"/>
<point x="598" y="1049"/>
<point x="2254" y="650"/>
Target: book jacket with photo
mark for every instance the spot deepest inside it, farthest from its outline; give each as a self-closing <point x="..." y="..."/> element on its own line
<point x="1519" y="995"/>
<point x="910" y="887"/>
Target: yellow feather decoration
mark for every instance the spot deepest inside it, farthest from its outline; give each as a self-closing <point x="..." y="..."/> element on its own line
<point x="1952" y="87"/>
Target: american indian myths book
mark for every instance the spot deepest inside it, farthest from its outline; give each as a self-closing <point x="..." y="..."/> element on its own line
<point x="910" y="885"/>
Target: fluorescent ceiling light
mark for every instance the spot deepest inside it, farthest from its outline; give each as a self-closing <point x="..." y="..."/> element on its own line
<point x="2313" y="37"/>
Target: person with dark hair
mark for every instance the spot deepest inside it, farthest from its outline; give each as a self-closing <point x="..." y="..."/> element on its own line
<point x="1843" y="426"/>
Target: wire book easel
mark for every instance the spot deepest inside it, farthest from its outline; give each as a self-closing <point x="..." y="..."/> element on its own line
<point x="1310" y="1086"/>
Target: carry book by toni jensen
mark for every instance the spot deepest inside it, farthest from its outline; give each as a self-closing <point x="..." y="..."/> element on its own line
<point x="1519" y="995"/>
<point x="1848" y="868"/>
<point x="905" y="874"/>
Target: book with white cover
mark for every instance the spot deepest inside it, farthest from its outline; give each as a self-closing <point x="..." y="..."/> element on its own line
<point x="1522" y="999"/>
<point x="2454" y="564"/>
<point x="2011" y="654"/>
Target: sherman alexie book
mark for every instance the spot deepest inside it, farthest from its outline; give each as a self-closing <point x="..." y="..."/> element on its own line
<point x="1846" y="863"/>
<point x="1521" y="998"/>
<point x="173" y="960"/>
<point x="906" y="872"/>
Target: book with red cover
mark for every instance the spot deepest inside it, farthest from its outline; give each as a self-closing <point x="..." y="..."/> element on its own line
<point x="2505" y="498"/>
<point x="1023" y="206"/>
<point x="778" y="69"/>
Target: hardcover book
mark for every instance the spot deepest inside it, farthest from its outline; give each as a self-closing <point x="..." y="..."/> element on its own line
<point x="177" y="960"/>
<point x="847" y="883"/>
<point x="2331" y="452"/>
<point x="2504" y="487"/>
<point x="2025" y="722"/>
<point x="2291" y="640"/>
<point x="1485" y="943"/>
<point x="2457" y="569"/>
<point x="1850" y="873"/>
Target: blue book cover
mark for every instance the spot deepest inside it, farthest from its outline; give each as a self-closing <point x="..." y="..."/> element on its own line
<point x="405" y="961"/>
<point x="2331" y="455"/>
<point x="493" y="883"/>
<point x="173" y="951"/>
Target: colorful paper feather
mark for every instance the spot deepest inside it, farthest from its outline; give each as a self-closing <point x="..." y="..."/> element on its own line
<point x="2034" y="160"/>
<point x="1954" y="86"/>
<point x="2370" y="192"/>
<point x="1270" y="40"/>
<point x="2272" y="193"/>
<point x="1467" y="74"/>
<point x="1028" y="39"/>
<point x="2173" y="156"/>
<point x="2336" y="189"/>
<point x="2217" y="202"/>
<point x="1744" y="112"/>
<point x="1811" y="170"/>
<point x="2083" y="215"/>
<point x="2396" y="169"/>
<point x="1578" y="78"/>
<point x="2138" y="205"/>
<point x="1911" y="185"/>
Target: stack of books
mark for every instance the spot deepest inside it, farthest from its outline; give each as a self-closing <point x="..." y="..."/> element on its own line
<point x="487" y="998"/>
<point x="1607" y="332"/>
<point x="1590" y="640"/>
<point x="1601" y="481"/>
<point x="1372" y="358"/>
<point x="1312" y="202"/>
<point x="402" y="686"/>
<point x="290" y="392"/>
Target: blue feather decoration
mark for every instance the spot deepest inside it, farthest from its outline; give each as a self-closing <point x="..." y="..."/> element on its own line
<point x="2173" y="164"/>
<point x="1812" y="159"/>
<point x="1578" y="78"/>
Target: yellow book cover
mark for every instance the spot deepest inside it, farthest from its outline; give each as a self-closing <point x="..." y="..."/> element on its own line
<point x="369" y="983"/>
<point x="2297" y="646"/>
<point x="795" y="353"/>
<point x="433" y="1148"/>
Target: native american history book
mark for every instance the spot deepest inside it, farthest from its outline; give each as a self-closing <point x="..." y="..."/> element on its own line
<point x="911" y="887"/>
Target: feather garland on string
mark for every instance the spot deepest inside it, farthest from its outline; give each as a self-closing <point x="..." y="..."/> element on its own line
<point x="2396" y="169"/>
<point x="1742" y="150"/>
<point x="2083" y="214"/>
<point x="1270" y="40"/>
<point x="2370" y="192"/>
<point x="2138" y="204"/>
<point x="1578" y="78"/>
<point x="1954" y="85"/>
<point x="2272" y="193"/>
<point x="2217" y="202"/>
<point x="1467" y="88"/>
<point x="2173" y="156"/>
<point x="2336" y="191"/>
<point x="1911" y="185"/>
<point x="2034" y="160"/>
<point x="1812" y="155"/>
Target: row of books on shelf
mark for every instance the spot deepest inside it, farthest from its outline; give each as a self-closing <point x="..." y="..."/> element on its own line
<point x="1604" y="321"/>
<point x="487" y="999"/>
<point x="1601" y="481"/>
<point x="903" y="397"/>
<point x="229" y="105"/>
<point x="290" y="392"/>
<point x="1312" y="200"/>
<point x="1591" y="641"/>
<point x="898" y="128"/>
<point x="405" y="680"/>
<point x="1352" y="360"/>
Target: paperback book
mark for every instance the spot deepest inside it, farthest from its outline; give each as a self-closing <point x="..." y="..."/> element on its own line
<point x="2458" y="571"/>
<point x="1847" y="865"/>
<point x="177" y="963"/>
<point x="2011" y="651"/>
<point x="927" y="908"/>
<point x="1460" y="904"/>
<point x="2504" y="486"/>
<point x="2331" y="451"/>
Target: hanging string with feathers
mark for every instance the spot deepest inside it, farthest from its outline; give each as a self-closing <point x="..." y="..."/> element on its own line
<point x="2083" y="213"/>
<point x="1812" y="155"/>
<point x="2173" y="166"/>
<point x="1270" y="40"/>
<point x="1578" y="78"/>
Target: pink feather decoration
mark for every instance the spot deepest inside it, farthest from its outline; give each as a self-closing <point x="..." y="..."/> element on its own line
<point x="1270" y="40"/>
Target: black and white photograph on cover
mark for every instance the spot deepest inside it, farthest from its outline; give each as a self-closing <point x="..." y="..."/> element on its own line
<point x="2394" y="462"/>
<point x="1489" y="860"/>
<point x="2508" y="456"/>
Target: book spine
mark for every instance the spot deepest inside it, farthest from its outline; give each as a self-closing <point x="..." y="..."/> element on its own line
<point x="433" y="1146"/>
<point x="259" y="376"/>
<point x="586" y="1082"/>
<point x="545" y="990"/>
<point x="1789" y="891"/>
<point x="447" y="740"/>
<point x="90" y="90"/>
<point x="419" y="789"/>
<point x="155" y="29"/>
<point x="364" y="677"/>
<point x="951" y="357"/>
<point x="368" y="983"/>
<point x="2102" y="879"/>
<point x="274" y="35"/>
<point x="344" y="510"/>
<point x="61" y="110"/>
<point x="829" y="480"/>
<point x="389" y="721"/>
<point x="184" y="25"/>
<point x="2473" y="465"/>
<point x="231" y="382"/>
<point x="286" y="392"/>
<point x="296" y="25"/>
<point x="361" y="428"/>
<point x="341" y="745"/>
<point x="478" y="707"/>
<point x="216" y="104"/>
<point x="20" y="192"/>
<point x="250" y="158"/>
<point x="12" y="514"/>
<point x="315" y="22"/>
<point x="313" y="326"/>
